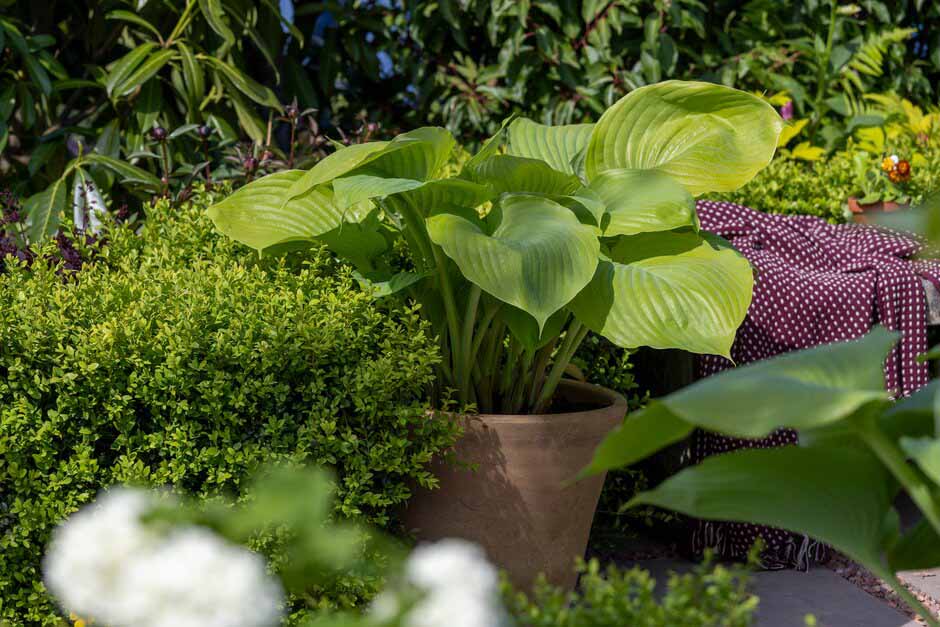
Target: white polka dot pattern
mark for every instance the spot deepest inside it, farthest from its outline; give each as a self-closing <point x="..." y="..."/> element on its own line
<point x="816" y="283"/>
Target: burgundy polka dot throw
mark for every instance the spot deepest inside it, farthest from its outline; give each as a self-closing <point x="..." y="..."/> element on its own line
<point x="816" y="283"/>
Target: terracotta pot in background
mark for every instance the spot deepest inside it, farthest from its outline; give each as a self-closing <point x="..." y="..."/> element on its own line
<point x="517" y="503"/>
<point x="861" y="212"/>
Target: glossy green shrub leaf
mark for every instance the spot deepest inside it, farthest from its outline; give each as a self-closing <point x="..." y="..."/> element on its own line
<point x="668" y="290"/>
<point x="126" y="65"/>
<point x="708" y="137"/>
<point x="44" y="209"/>
<point x="244" y="83"/>
<point x="129" y="174"/>
<point x="215" y="17"/>
<point x="537" y="259"/>
<point x="640" y="201"/>
<point x="261" y="216"/>
<point x="787" y="487"/>
<point x="558" y="146"/>
<point x="143" y="73"/>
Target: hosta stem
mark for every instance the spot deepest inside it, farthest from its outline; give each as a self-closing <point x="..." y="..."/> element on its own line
<point x="466" y="343"/>
<point x="573" y="338"/>
<point x="450" y="308"/>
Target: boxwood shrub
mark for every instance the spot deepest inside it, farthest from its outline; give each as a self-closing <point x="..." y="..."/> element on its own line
<point x="177" y="358"/>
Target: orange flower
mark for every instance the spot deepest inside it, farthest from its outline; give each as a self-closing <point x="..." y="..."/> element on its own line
<point x="904" y="169"/>
<point x="887" y="164"/>
<point x="894" y="176"/>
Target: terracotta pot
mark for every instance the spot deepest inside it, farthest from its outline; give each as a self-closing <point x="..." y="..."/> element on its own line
<point x="861" y="212"/>
<point x="518" y="503"/>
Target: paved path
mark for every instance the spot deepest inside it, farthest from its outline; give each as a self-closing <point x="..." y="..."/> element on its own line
<point x="787" y="596"/>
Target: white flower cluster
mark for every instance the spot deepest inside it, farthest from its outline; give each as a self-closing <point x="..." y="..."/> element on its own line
<point x="103" y="563"/>
<point x="458" y="587"/>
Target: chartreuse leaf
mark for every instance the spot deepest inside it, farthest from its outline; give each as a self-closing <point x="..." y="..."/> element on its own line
<point x="446" y="196"/>
<point x="785" y="487"/>
<point x="417" y="155"/>
<point x="355" y="188"/>
<point x="708" y="137"/>
<point x="44" y="209"/>
<point x="555" y="145"/>
<point x="537" y="259"/>
<point x="335" y="165"/>
<point x="259" y="215"/>
<point x="505" y="173"/>
<point x="668" y="290"/>
<point x="641" y="201"/>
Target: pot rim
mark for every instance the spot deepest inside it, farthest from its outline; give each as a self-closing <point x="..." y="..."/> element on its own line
<point x="613" y="402"/>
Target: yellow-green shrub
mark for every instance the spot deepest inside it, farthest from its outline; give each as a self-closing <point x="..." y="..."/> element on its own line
<point x="178" y="358"/>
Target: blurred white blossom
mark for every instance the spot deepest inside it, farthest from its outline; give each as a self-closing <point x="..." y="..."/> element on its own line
<point x="458" y="587"/>
<point x="104" y="563"/>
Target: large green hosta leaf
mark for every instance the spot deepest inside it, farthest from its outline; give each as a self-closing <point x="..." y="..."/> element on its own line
<point x="505" y="173"/>
<point x="841" y="496"/>
<point x="640" y="201"/>
<point x="416" y="155"/>
<point x="668" y="290"/>
<point x="261" y="216"/>
<point x="707" y="137"/>
<point x="807" y="390"/>
<point x="537" y="259"/>
<point x="555" y="145"/>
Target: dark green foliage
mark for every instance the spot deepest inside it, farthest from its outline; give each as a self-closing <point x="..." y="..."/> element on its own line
<point x="178" y="358"/>
<point x="613" y="597"/>
<point x="77" y="68"/>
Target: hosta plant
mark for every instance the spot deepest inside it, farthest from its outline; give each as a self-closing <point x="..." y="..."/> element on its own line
<point x="544" y="234"/>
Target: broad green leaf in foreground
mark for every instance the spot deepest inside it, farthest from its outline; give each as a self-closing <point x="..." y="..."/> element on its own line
<point x="668" y="290"/>
<point x="807" y="390"/>
<point x="651" y="429"/>
<point x="555" y="145"/>
<point x="258" y="216"/>
<point x="802" y="390"/>
<point x="640" y="201"/>
<point x="537" y="259"/>
<point x="708" y="137"/>
<point x="785" y="487"/>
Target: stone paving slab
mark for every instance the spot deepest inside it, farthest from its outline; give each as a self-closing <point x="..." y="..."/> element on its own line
<point x="787" y="596"/>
